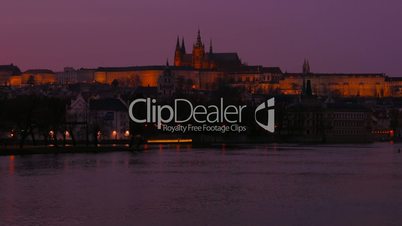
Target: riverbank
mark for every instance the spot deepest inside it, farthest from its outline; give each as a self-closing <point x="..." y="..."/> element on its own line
<point x="104" y="148"/>
<point x="66" y="149"/>
<point x="30" y="150"/>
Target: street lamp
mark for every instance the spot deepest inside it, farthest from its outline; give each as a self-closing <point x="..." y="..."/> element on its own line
<point x="127" y="133"/>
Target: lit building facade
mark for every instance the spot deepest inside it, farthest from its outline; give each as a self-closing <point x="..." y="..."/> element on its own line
<point x="33" y="77"/>
<point x="7" y="72"/>
<point x="203" y="69"/>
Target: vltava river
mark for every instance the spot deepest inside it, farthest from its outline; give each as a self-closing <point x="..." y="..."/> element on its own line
<point x="260" y="185"/>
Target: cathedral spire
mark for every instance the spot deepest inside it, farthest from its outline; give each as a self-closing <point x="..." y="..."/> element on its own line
<point x="199" y="41"/>
<point x="303" y="91"/>
<point x="177" y="43"/>
<point x="178" y="54"/>
<point x="306" y="67"/>
<point x="183" y="47"/>
<point x="167" y="70"/>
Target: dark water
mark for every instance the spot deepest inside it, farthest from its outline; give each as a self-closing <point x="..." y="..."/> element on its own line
<point x="262" y="185"/>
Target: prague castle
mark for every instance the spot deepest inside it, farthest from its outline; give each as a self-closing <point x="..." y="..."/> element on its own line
<point x="203" y="70"/>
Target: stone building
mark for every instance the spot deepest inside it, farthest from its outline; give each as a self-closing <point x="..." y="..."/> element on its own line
<point x="166" y="84"/>
<point x="256" y="79"/>
<point x="304" y="120"/>
<point x="336" y="84"/>
<point x="71" y="76"/>
<point x="77" y="117"/>
<point x="7" y="72"/>
<point x="312" y="120"/>
<point x="325" y="84"/>
<point x="108" y="116"/>
<point x="348" y="123"/>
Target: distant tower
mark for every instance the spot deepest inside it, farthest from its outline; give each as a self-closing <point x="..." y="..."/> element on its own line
<point x="210" y="47"/>
<point x="306" y="71"/>
<point x="306" y="67"/>
<point x="210" y="58"/>
<point x="178" y="54"/>
<point x="198" y="52"/>
<point x="166" y="83"/>
<point x="183" y="47"/>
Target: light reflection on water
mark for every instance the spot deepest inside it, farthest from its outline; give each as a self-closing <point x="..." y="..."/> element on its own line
<point x="259" y="185"/>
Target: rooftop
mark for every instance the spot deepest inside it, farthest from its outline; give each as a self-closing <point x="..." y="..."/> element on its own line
<point x="12" y="69"/>
<point x="107" y="104"/>
<point x="338" y="74"/>
<point x="39" y="71"/>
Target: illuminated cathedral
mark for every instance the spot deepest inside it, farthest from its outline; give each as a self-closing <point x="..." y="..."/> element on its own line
<point x="200" y="59"/>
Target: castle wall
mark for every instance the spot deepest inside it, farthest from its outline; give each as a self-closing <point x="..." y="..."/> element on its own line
<point x="205" y="80"/>
<point x="261" y="83"/>
<point x="15" y="80"/>
<point x="71" y="76"/>
<point x="38" y="79"/>
<point x="129" y="78"/>
<point x="343" y="85"/>
<point x="394" y="87"/>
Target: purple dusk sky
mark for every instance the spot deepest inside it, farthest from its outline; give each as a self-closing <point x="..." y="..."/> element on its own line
<point x="335" y="35"/>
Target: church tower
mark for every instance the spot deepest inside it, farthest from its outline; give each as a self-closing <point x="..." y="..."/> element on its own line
<point x="198" y="52"/>
<point x="210" y="47"/>
<point x="178" y="54"/>
<point x="306" y="71"/>
<point x="306" y="67"/>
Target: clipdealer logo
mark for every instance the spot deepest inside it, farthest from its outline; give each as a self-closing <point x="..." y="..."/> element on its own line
<point x="205" y="116"/>
<point x="269" y="107"/>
